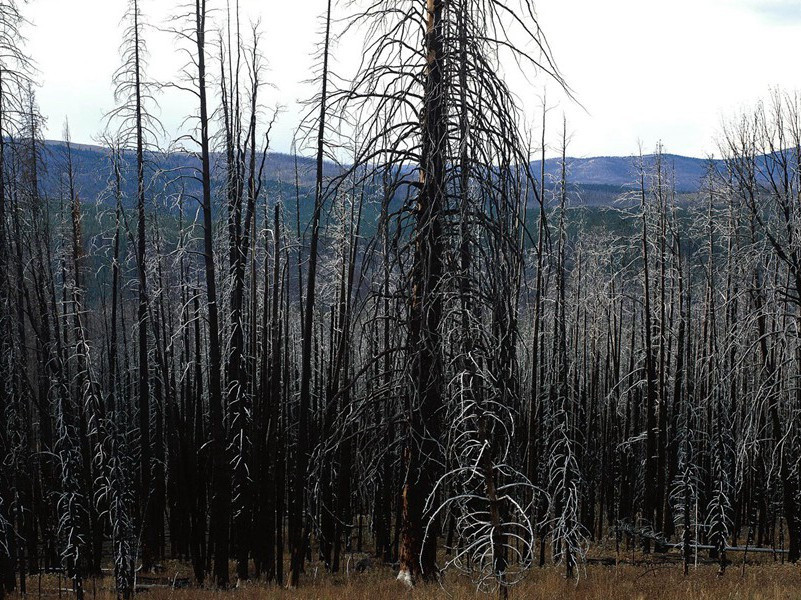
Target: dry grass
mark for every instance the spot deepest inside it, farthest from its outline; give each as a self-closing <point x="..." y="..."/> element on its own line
<point x="767" y="581"/>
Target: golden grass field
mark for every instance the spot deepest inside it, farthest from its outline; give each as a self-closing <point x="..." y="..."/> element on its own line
<point x="644" y="581"/>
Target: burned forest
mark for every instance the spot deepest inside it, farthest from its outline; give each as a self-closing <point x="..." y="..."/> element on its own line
<point x="405" y="344"/>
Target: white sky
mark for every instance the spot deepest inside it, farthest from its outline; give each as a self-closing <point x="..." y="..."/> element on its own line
<point x="645" y="70"/>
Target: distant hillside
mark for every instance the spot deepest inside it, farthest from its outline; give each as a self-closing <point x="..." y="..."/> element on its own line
<point x="621" y="171"/>
<point x="596" y="181"/>
<point x="93" y="171"/>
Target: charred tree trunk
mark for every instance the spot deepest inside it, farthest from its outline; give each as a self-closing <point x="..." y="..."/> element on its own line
<point x="424" y="398"/>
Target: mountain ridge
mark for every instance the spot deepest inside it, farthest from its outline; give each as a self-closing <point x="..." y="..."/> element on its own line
<point x="622" y="171"/>
<point x="602" y="178"/>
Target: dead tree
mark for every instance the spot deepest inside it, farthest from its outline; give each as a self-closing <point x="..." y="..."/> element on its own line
<point x="190" y="28"/>
<point x="244" y="167"/>
<point x="299" y="526"/>
<point x="762" y="159"/>
<point x="136" y="125"/>
<point x="416" y="111"/>
<point x="15" y="71"/>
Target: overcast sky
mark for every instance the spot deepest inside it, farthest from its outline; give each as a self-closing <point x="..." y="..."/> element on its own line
<point x="644" y="70"/>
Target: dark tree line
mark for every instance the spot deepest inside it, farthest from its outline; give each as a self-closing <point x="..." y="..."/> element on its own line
<point x="426" y="356"/>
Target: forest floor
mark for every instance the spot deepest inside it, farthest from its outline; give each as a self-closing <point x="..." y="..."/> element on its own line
<point x="649" y="578"/>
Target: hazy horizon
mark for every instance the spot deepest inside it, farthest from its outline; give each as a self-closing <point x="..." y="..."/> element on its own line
<point x="643" y="72"/>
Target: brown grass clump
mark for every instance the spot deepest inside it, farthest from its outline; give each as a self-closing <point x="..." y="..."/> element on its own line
<point x="767" y="581"/>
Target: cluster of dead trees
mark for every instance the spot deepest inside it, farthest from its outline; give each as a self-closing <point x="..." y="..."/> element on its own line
<point x="426" y="356"/>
